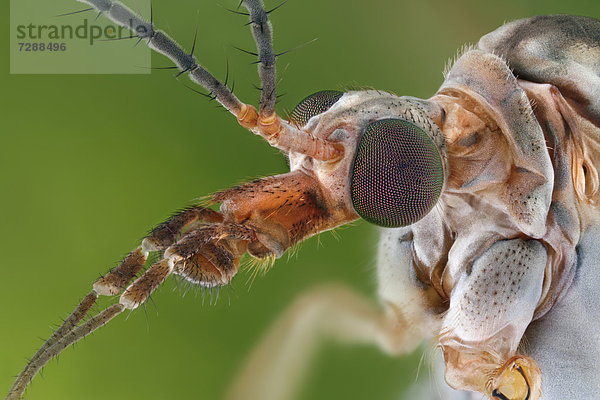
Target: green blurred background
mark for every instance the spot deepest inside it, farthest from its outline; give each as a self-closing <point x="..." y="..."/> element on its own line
<point x="89" y="163"/>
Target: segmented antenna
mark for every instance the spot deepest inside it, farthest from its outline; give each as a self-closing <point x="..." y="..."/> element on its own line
<point x="163" y="44"/>
<point x="263" y="36"/>
<point x="264" y="122"/>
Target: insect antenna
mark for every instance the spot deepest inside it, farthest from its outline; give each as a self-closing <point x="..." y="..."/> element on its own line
<point x="264" y="122"/>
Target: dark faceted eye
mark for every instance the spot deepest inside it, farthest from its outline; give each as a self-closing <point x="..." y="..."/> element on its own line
<point x="397" y="175"/>
<point x="314" y="104"/>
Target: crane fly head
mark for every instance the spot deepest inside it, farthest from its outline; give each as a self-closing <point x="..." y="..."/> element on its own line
<point x="395" y="155"/>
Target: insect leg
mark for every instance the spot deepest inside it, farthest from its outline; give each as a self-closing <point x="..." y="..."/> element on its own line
<point x="278" y="363"/>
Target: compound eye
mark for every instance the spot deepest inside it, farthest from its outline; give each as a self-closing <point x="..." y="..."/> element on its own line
<point x="314" y="104"/>
<point x="397" y="175"/>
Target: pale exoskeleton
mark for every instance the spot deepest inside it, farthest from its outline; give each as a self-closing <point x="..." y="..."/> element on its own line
<point x="493" y="218"/>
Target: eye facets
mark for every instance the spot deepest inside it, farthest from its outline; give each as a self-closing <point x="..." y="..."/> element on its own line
<point x="397" y="175"/>
<point x="314" y="104"/>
